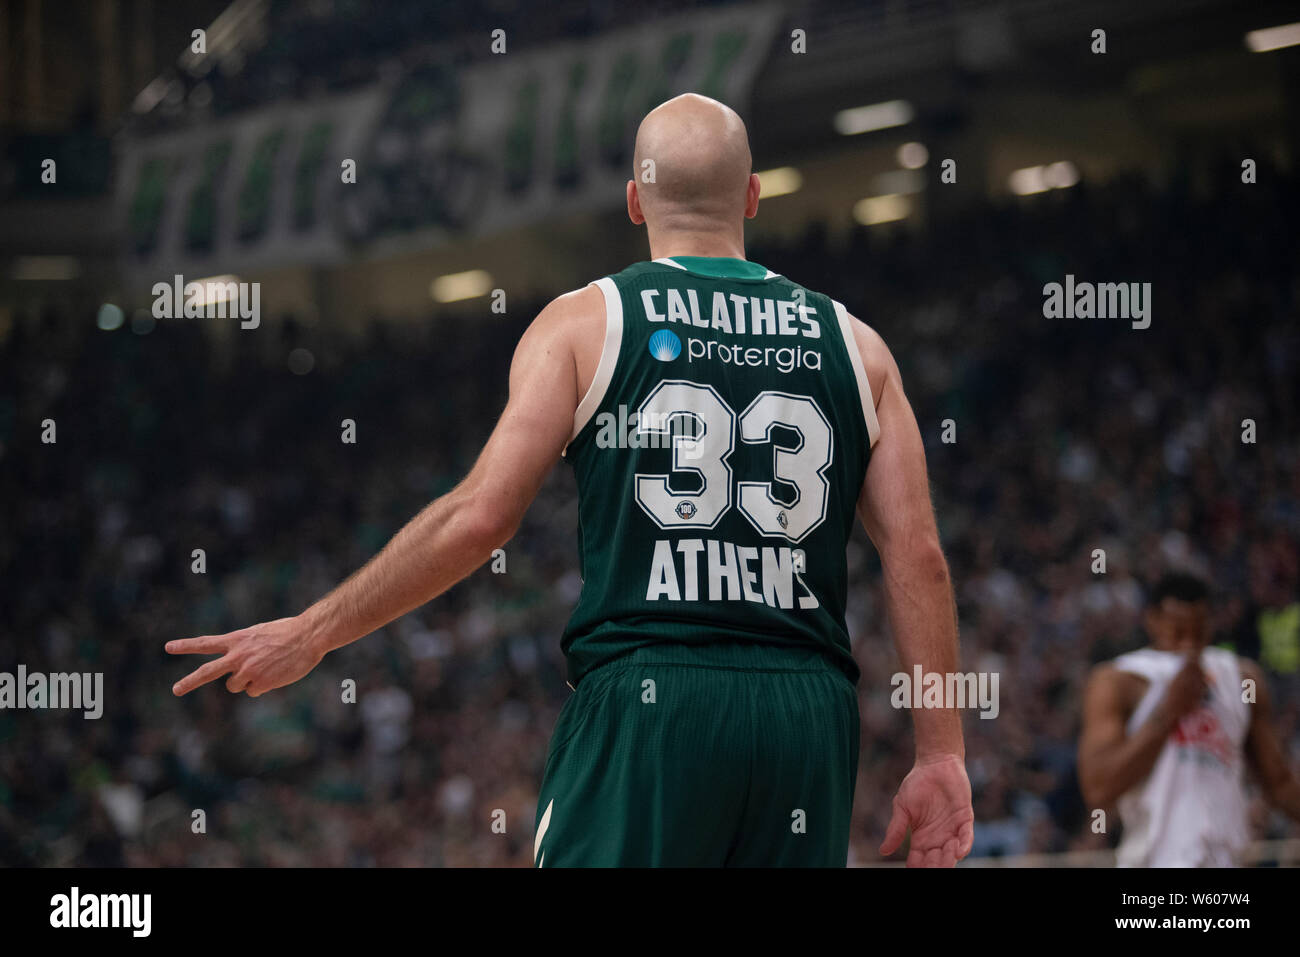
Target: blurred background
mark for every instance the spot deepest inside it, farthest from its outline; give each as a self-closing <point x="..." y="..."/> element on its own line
<point x="378" y="168"/>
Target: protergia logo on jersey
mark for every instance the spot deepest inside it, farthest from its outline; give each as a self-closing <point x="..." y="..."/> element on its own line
<point x="665" y="346"/>
<point x="784" y="359"/>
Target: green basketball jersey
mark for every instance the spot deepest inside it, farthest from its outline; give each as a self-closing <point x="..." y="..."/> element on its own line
<point x="719" y="455"/>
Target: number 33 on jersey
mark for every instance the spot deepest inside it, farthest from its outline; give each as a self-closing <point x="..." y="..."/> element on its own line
<point x="719" y="454"/>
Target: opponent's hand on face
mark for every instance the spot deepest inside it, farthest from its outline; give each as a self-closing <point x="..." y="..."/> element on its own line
<point x="1187" y="689"/>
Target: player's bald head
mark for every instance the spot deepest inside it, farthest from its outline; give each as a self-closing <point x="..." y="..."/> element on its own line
<point x="701" y="163"/>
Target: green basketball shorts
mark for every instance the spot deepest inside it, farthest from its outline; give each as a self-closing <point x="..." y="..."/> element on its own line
<point x="727" y="755"/>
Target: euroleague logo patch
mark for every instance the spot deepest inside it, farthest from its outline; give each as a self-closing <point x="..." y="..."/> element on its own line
<point x="665" y="346"/>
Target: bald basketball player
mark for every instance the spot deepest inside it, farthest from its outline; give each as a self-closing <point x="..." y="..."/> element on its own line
<point x="714" y="719"/>
<point x="1168" y="732"/>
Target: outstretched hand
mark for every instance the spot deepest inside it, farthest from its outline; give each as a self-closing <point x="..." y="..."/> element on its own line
<point x="934" y="802"/>
<point x="258" y="659"/>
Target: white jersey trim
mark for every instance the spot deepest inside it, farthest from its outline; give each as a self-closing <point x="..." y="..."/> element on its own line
<point x="541" y="832"/>
<point x="665" y="261"/>
<point x="608" y="357"/>
<point x="859" y="372"/>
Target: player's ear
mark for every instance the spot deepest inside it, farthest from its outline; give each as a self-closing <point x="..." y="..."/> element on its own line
<point x="634" y="204"/>
<point x="752" y="192"/>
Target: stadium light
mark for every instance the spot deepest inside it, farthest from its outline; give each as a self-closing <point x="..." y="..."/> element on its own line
<point x="1024" y="182"/>
<point x="877" y="116"/>
<point x="1039" y="179"/>
<point x="218" y="289"/>
<point x="461" y="285"/>
<point x="1273" y="38"/>
<point x="875" y="210"/>
<point x="1061" y="175"/>
<point x="913" y="155"/>
<point x="780" y="181"/>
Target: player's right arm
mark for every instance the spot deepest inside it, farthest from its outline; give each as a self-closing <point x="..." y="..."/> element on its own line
<point x="449" y="539"/>
<point x="934" y="801"/>
<point x="1111" y="761"/>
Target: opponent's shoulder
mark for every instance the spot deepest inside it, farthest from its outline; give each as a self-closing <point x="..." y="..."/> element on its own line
<point x="1143" y="663"/>
<point x="1110" y="682"/>
<point x="1102" y="673"/>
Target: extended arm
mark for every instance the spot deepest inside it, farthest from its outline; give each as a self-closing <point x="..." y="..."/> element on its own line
<point x="445" y="542"/>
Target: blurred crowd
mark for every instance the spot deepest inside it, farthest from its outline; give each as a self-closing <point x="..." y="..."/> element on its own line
<point x="1071" y="436"/>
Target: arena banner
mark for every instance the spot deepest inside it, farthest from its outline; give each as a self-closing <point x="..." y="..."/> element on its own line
<point x="241" y="193"/>
<point x="436" y="154"/>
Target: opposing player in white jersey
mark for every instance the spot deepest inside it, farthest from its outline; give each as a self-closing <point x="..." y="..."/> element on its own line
<point x="1168" y="731"/>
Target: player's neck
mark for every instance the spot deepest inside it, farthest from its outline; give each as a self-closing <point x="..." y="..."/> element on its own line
<point x="665" y="245"/>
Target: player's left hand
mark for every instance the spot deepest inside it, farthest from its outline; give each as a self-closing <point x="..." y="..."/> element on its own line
<point x="258" y="659"/>
<point x="934" y="802"/>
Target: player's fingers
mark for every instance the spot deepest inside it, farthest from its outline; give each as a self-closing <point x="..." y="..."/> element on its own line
<point x="950" y="852"/>
<point x="965" y="838"/>
<point x="203" y="645"/>
<point x="921" y="856"/>
<point x="895" y="833"/>
<point x="202" y="675"/>
<point x="237" y="682"/>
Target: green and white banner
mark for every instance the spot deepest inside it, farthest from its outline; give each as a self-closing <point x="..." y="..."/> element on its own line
<point x="438" y="153"/>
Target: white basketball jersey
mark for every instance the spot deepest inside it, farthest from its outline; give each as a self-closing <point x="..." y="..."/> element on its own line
<point x="1190" y="811"/>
